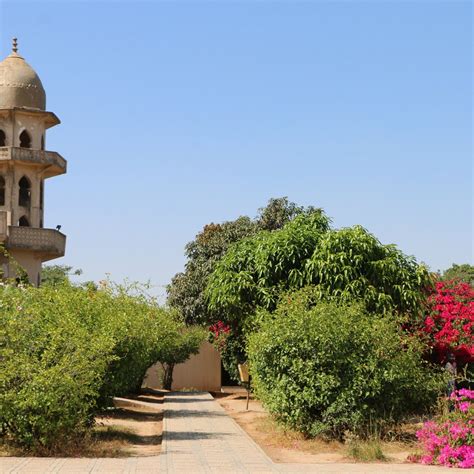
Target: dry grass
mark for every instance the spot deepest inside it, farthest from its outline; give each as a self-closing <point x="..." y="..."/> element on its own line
<point x="289" y="439"/>
<point x="286" y="445"/>
<point x="370" y="450"/>
<point x="102" y="442"/>
<point x="8" y="450"/>
<point x="111" y="441"/>
<point x="366" y="450"/>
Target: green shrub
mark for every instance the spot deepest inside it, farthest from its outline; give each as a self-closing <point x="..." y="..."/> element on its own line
<point x="141" y="331"/>
<point x="333" y="368"/>
<point x="51" y="366"/>
<point x="66" y="350"/>
<point x="185" y="342"/>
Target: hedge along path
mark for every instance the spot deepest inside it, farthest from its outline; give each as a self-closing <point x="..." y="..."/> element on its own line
<point x="199" y="437"/>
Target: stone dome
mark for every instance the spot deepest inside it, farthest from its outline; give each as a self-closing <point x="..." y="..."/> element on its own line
<point x="20" y="86"/>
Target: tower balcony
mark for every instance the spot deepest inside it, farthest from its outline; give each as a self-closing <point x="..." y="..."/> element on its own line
<point x="52" y="163"/>
<point x="49" y="243"/>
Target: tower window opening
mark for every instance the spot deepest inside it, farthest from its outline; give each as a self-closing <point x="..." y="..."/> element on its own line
<point x="24" y="222"/>
<point x="42" y="142"/>
<point x="3" y="138"/>
<point x="25" y="139"/>
<point x="2" y="191"/>
<point x="24" y="197"/>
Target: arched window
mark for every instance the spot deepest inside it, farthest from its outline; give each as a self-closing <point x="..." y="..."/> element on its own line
<point x="42" y="142"/>
<point x="23" y="222"/>
<point x="25" y="139"/>
<point x="24" y="196"/>
<point x="3" y="138"/>
<point x="2" y="191"/>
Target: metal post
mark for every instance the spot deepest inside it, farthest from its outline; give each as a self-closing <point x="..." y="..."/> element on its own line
<point x="248" y="391"/>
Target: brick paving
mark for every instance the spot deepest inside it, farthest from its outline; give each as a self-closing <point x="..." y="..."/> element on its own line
<point x="198" y="437"/>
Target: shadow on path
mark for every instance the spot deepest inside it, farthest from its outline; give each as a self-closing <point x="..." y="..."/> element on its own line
<point x="128" y="414"/>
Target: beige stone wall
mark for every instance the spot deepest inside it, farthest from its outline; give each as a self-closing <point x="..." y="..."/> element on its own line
<point x="12" y="176"/>
<point x="29" y="261"/>
<point x="13" y="124"/>
<point x="4" y="223"/>
<point x="34" y="125"/>
<point x="201" y="372"/>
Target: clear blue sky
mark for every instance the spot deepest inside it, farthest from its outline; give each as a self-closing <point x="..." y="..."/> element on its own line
<point x="177" y="114"/>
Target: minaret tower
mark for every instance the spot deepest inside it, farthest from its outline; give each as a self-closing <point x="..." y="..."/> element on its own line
<point x="24" y="166"/>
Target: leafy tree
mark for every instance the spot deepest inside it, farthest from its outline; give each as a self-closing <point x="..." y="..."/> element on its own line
<point x="187" y="289"/>
<point x="463" y="272"/>
<point x="52" y="275"/>
<point x="352" y="264"/>
<point x="185" y="342"/>
<point x="278" y="212"/>
<point x="343" y="264"/>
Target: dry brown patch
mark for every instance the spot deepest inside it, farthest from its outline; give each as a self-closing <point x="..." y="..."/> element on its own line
<point x="133" y="428"/>
<point x="287" y="446"/>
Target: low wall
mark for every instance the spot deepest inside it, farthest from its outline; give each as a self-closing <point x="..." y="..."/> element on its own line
<point x="200" y="372"/>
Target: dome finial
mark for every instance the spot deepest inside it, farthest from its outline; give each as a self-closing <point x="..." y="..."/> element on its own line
<point x="15" y="45"/>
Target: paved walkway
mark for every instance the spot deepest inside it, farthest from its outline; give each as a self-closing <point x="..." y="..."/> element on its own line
<point x="199" y="437"/>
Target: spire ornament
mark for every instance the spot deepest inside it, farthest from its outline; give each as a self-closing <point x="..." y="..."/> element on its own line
<point x="15" y="45"/>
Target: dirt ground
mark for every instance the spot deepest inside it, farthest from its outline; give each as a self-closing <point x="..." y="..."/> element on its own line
<point x="133" y="428"/>
<point x="285" y="446"/>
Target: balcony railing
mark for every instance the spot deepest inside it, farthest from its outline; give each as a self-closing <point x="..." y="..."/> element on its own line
<point x="53" y="162"/>
<point x="48" y="242"/>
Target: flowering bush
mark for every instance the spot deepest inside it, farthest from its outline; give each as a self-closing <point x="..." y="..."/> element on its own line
<point x="230" y="343"/>
<point x="450" y="320"/>
<point x="450" y="442"/>
<point x="219" y="334"/>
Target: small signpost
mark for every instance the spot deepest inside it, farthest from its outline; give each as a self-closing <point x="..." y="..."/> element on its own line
<point x="245" y="379"/>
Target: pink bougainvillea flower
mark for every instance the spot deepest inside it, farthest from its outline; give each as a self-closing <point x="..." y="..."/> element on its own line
<point x="464" y="392"/>
<point x="450" y="442"/>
